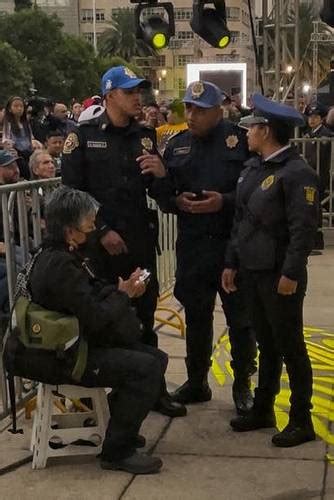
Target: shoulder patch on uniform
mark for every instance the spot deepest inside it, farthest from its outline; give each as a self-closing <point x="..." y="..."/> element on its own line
<point x="268" y="182"/>
<point x="310" y="194"/>
<point x="71" y="143"/>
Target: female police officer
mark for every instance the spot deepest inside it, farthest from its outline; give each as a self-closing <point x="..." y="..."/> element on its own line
<point x="274" y="229"/>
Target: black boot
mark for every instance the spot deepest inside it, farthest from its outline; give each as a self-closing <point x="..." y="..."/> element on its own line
<point x="170" y="407"/>
<point x="189" y="393"/>
<point x="261" y="416"/>
<point x="295" y="433"/>
<point x="242" y="395"/>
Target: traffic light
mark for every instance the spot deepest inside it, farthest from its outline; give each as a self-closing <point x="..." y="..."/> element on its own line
<point x="327" y="12"/>
<point x="154" y="30"/>
<point x="210" y="22"/>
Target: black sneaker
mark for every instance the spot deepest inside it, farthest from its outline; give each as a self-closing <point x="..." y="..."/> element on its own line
<point x="293" y="435"/>
<point x="135" y="464"/>
<point x="253" y="421"/>
<point x="186" y="394"/>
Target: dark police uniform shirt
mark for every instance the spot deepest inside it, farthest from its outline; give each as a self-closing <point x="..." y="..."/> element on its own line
<point x="212" y="163"/>
<point x="276" y="215"/>
<point x="101" y="159"/>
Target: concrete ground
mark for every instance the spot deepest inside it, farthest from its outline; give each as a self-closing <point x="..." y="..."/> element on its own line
<point x="203" y="458"/>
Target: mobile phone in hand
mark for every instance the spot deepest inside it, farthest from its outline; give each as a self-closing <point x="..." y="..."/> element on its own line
<point x="145" y="276"/>
<point x="199" y="196"/>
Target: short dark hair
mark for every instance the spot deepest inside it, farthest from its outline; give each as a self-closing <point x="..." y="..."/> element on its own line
<point x="282" y="132"/>
<point x="66" y="207"/>
<point x="54" y="133"/>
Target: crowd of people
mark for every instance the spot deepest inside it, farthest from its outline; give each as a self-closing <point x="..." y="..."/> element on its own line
<point x="247" y="207"/>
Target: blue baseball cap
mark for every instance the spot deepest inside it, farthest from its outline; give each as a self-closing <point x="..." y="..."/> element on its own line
<point x="203" y="95"/>
<point x="7" y="158"/>
<point x="121" y="77"/>
<point x="266" y="111"/>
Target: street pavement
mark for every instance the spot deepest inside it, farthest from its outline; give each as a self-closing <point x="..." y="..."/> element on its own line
<point x="203" y="458"/>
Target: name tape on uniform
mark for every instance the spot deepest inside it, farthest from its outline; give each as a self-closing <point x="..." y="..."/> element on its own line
<point x="181" y="151"/>
<point x="97" y="144"/>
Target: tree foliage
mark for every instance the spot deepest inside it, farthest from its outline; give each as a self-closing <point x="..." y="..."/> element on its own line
<point x="15" y="75"/>
<point x="62" y="66"/>
<point x="120" y="39"/>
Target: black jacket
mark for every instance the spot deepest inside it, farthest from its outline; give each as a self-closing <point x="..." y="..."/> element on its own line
<point x="101" y="159"/>
<point x="212" y="163"/>
<point x="59" y="282"/>
<point x="276" y="215"/>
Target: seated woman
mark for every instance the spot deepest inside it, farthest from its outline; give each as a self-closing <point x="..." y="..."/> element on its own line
<point x="62" y="280"/>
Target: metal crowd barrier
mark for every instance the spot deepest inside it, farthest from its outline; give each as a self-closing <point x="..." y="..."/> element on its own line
<point x="22" y="228"/>
<point x="319" y="153"/>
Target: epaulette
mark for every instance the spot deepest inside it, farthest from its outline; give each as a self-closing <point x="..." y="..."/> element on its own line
<point x="92" y="122"/>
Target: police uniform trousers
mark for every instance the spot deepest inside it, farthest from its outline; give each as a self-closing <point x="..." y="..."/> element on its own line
<point x="135" y="376"/>
<point x="112" y="267"/>
<point x="200" y="262"/>
<point x="278" y="323"/>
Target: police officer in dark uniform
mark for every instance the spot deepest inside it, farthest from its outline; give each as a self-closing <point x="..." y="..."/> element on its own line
<point x="115" y="159"/>
<point x="318" y="155"/>
<point x="204" y="164"/>
<point x="275" y="225"/>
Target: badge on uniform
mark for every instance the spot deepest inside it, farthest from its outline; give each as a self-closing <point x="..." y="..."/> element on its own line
<point x="232" y="141"/>
<point x="197" y="90"/>
<point x="268" y="182"/>
<point x="71" y="143"/>
<point x="147" y="143"/>
<point x="309" y="194"/>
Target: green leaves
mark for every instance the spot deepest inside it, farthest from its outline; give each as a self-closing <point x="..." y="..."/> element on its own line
<point x="62" y="66"/>
<point x="15" y="75"/>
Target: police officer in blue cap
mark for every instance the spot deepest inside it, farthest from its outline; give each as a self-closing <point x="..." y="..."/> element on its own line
<point x="318" y="155"/>
<point x="204" y="164"/>
<point x="274" y="229"/>
<point x="115" y="159"/>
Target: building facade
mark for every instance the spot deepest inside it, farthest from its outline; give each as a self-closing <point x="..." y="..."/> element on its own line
<point x="66" y="10"/>
<point x="7" y="6"/>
